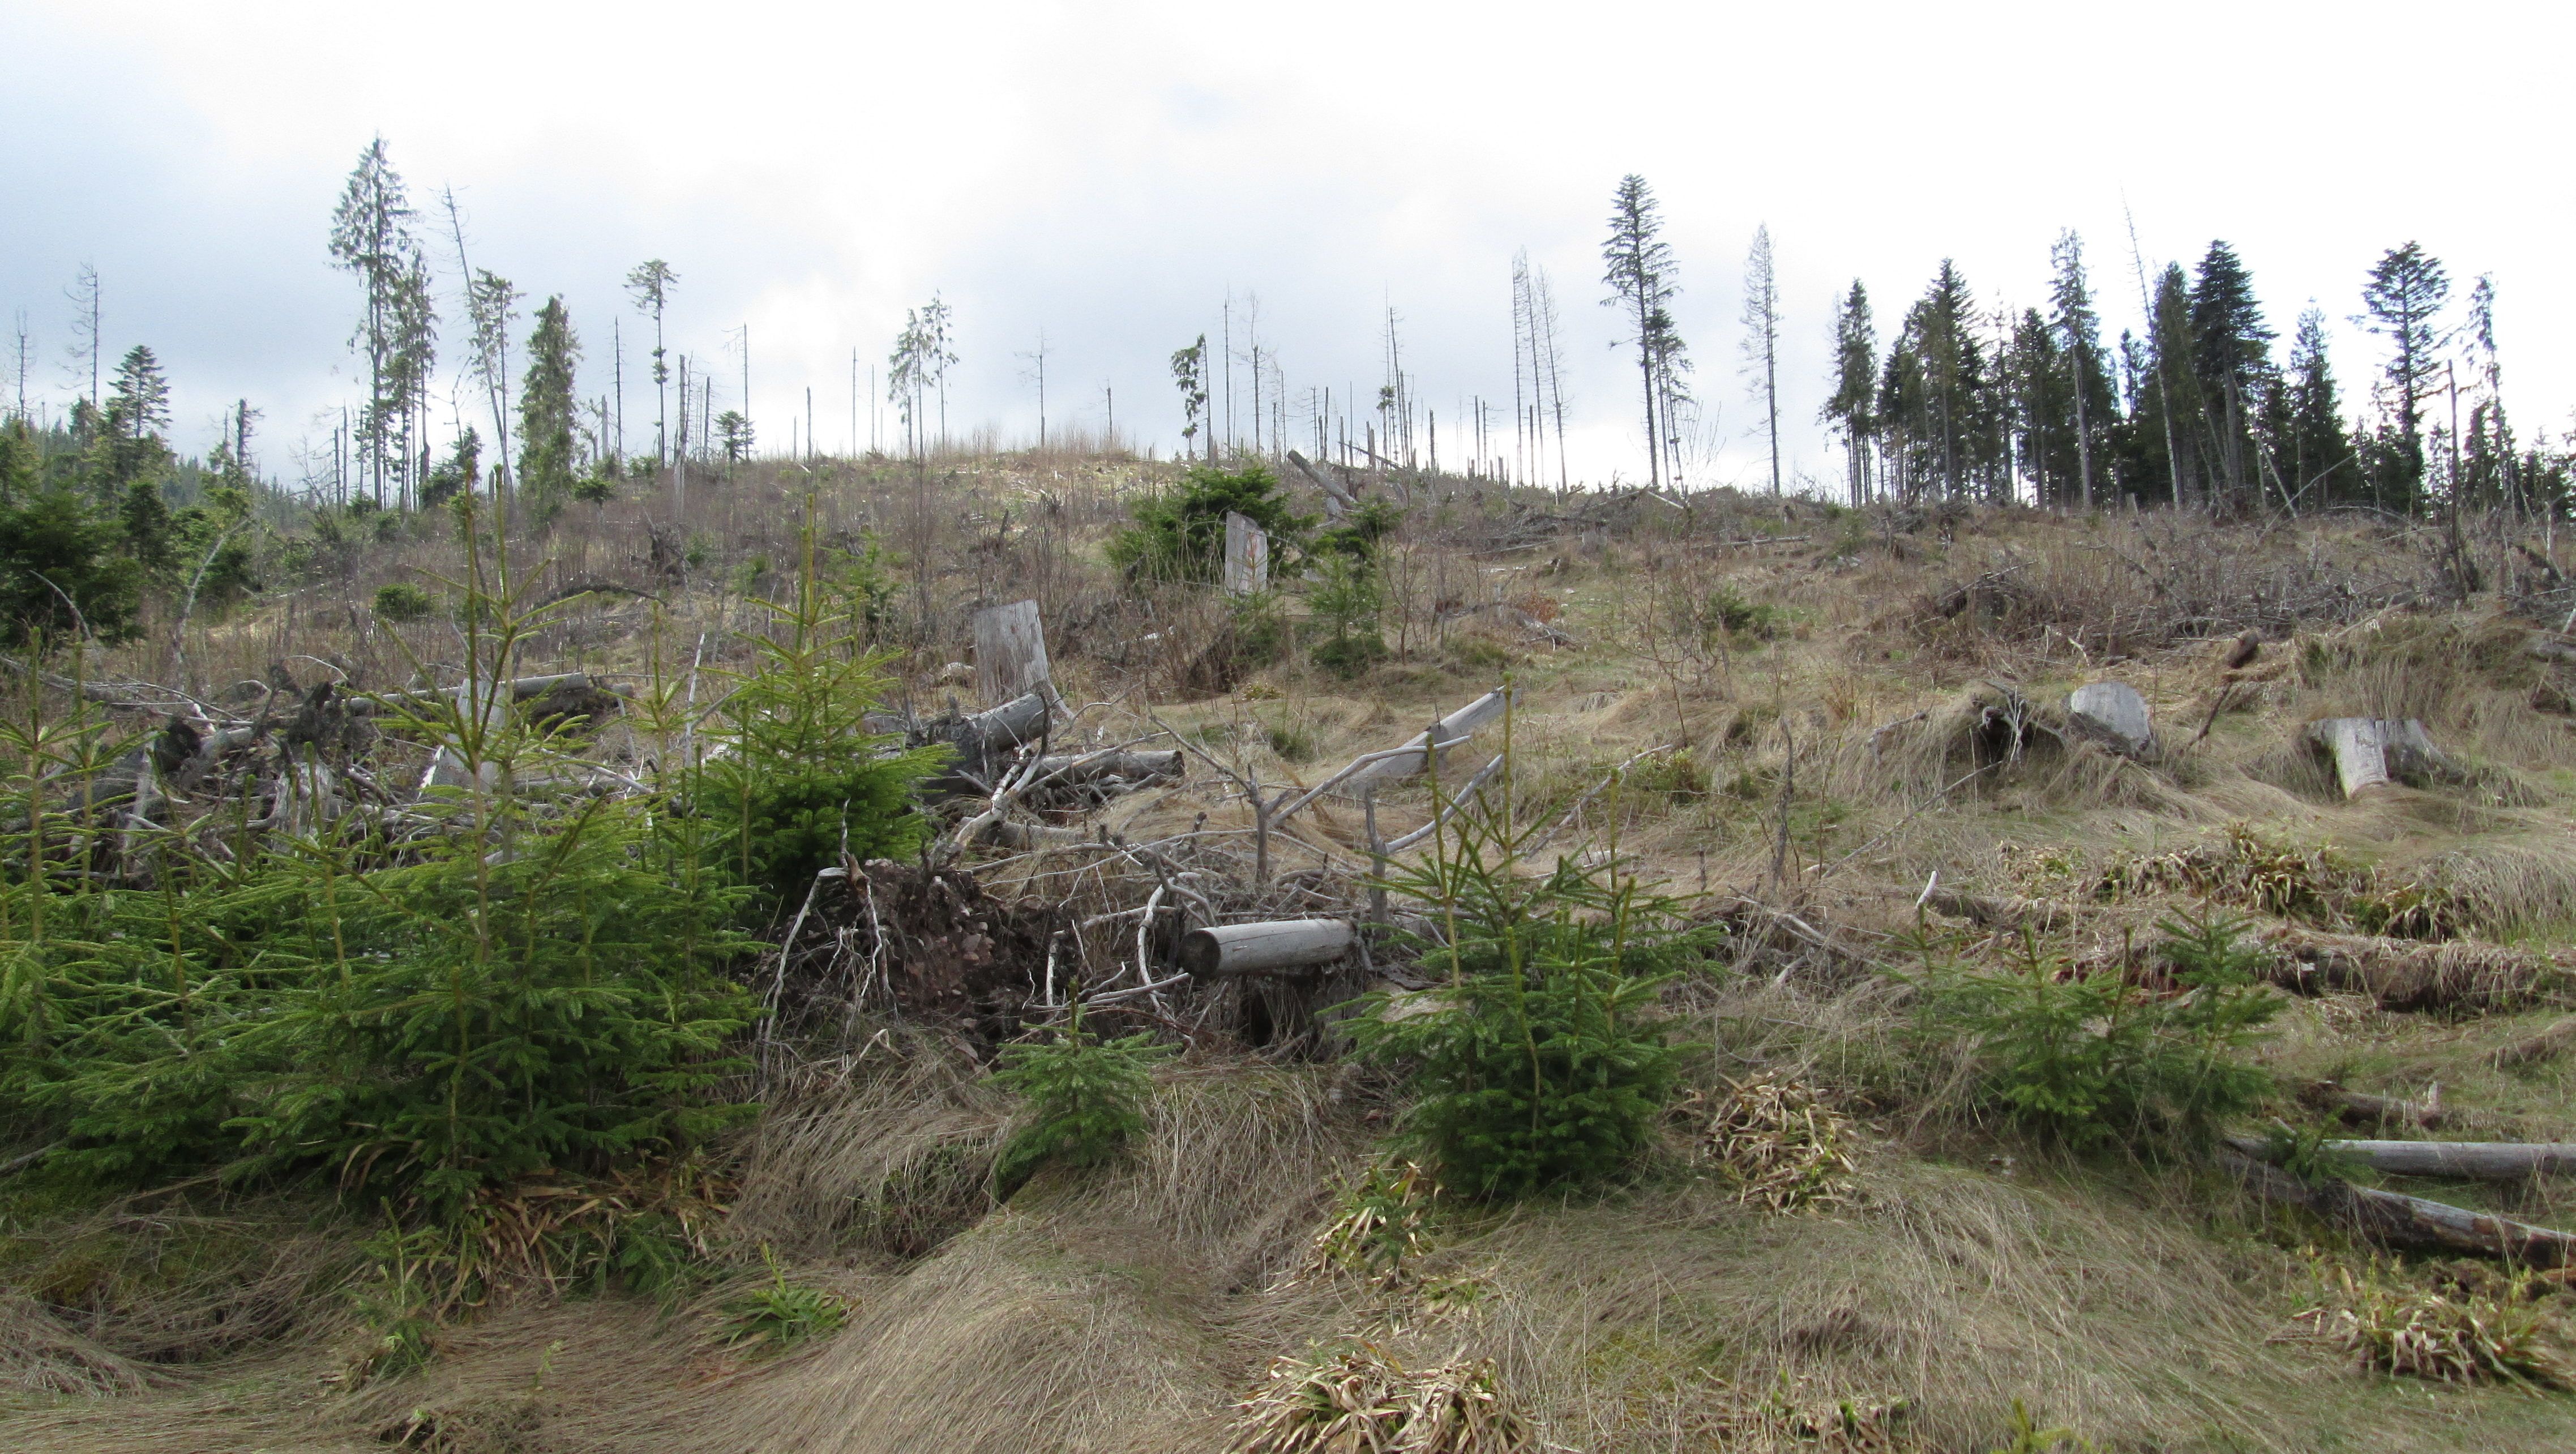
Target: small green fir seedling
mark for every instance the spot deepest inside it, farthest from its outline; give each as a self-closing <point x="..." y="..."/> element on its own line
<point x="1085" y="1098"/>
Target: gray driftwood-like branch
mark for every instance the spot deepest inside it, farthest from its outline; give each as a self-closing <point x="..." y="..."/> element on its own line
<point x="2472" y="1160"/>
<point x="1374" y="768"/>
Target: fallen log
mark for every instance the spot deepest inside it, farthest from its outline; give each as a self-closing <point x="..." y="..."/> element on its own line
<point x="2403" y="974"/>
<point x="2471" y="1160"/>
<point x="1998" y="912"/>
<point x="1511" y="615"/>
<point x="1336" y="499"/>
<point x="2550" y="648"/>
<point x="1259" y="948"/>
<point x="1093" y="767"/>
<point x="2543" y="1046"/>
<point x="1030" y="837"/>
<point x="1448" y="809"/>
<point x="521" y="689"/>
<point x="978" y="743"/>
<point x="2361" y="1108"/>
<point x="2408" y="1223"/>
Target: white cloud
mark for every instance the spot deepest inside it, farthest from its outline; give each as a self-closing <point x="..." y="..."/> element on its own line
<point x="1107" y="173"/>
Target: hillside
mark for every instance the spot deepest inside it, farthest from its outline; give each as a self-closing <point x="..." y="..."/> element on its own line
<point x="1840" y="738"/>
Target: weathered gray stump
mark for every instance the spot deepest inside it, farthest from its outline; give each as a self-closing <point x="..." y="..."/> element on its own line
<point x="2113" y="714"/>
<point x="2372" y="751"/>
<point x="1247" y="557"/>
<point x="1011" y="654"/>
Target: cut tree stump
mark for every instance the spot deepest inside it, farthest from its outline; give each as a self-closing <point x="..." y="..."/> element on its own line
<point x="2113" y="714"/>
<point x="1247" y="556"/>
<point x="1011" y="654"/>
<point x="1258" y="948"/>
<point x="2373" y="751"/>
<point x="2360" y="758"/>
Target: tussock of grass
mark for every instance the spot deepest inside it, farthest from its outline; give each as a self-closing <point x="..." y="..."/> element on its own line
<point x="1776" y="1142"/>
<point x="2481" y="1328"/>
<point x="2246" y="869"/>
<point x="1361" y="1399"/>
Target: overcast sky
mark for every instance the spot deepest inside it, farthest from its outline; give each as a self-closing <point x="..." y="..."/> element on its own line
<point x="1107" y="173"/>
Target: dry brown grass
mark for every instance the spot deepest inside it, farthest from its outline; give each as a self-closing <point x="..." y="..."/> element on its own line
<point x="1130" y="1311"/>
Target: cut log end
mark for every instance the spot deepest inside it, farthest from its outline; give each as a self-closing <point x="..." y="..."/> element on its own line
<point x="1278" y="944"/>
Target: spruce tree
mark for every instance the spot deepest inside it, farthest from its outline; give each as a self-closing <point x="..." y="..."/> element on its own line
<point x="61" y="565"/>
<point x="2163" y="419"/>
<point x="2231" y="361"/>
<point x="491" y="306"/>
<point x="1762" y="340"/>
<point x="2079" y="337"/>
<point x="371" y="237"/>
<point x="650" y="283"/>
<point x="2042" y="410"/>
<point x="129" y="444"/>
<point x="548" y="426"/>
<point x="2489" y="474"/>
<point x="410" y="366"/>
<point x="2404" y="297"/>
<point x="2316" y="455"/>
<point x="1639" y="272"/>
<point x="1850" y="408"/>
<point x="1936" y="397"/>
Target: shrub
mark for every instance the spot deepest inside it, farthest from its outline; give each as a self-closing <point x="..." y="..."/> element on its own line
<point x="2320" y="886"/>
<point x="402" y="603"/>
<point x="1179" y="535"/>
<point x="1292" y="738"/>
<point x="2093" y="1061"/>
<point x="1544" y="1060"/>
<point x="2029" y="1438"/>
<point x="1256" y="634"/>
<point x="1348" y="599"/>
<point x="1085" y="1097"/>
<point x="1728" y="613"/>
<point x="1348" y="656"/>
<point x="2491" y="1328"/>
